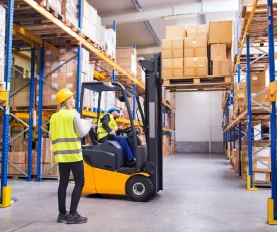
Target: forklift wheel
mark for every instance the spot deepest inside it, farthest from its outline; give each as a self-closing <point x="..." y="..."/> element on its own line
<point x="139" y="188"/>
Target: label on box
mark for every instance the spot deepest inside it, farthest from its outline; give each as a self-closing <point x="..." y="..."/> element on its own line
<point x="48" y="52"/>
<point x="55" y="85"/>
<point x="53" y="96"/>
<point x="54" y="75"/>
<point x="69" y="85"/>
<point x="260" y="176"/>
<point x="263" y="164"/>
<point x="63" y="51"/>
<point x="48" y="64"/>
<point x="254" y="78"/>
<point x="264" y="153"/>
<point x="69" y="74"/>
<point x="240" y="95"/>
<point x="253" y="94"/>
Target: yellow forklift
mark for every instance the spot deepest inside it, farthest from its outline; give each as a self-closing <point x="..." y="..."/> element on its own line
<point x="105" y="171"/>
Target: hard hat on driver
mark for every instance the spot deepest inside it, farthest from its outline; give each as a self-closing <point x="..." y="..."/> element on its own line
<point x="63" y="95"/>
<point x="114" y="109"/>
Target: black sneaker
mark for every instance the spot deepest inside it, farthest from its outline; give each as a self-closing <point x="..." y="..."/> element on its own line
<point x="62" y="217"/>
<point x="76" y="219"/>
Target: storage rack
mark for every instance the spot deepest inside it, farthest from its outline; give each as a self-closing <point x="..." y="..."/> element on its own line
<point x="258" y="29"/>
<point x="51" y="26"/>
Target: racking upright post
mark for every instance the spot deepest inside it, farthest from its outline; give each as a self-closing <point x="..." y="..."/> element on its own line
<point x="113" y="71"/>
<point x="41" y="76"/>
<point x="239" y="126"/>
<point x="250" y="186"/>
<point x="5" y="189"/>
<point x="79" y="60"/>
<point x="272" y="202"/>
<point x="134" y="98"/>
<point x="31" y="106"/>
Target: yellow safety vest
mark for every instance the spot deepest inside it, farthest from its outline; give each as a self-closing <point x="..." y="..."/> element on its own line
<point x="101" y="132"/>
<point x="66" y="144"/>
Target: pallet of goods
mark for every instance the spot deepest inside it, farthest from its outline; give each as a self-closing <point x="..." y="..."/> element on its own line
<point x="194" y="57"/>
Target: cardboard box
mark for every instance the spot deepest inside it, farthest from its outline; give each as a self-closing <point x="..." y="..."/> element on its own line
<point x="261" y="177"/>
<point x="172" y="48"/>
<point x="262" y="152"/>
<point x="19" y="157"/>
<point x="264" y="97"/>
<point x="221" y="67"/>
<point x="172" y="73"/>
<point x="221" y="32"/>
<point x="173" y="32"/>
<point x="197" y="29"/>
<point x="218" y="51"/>
<point x="195" y="52"/>
<point x="258" y="79"/>
<point x="244" y="157"/>
<point x="262" y="165"/>
<point x="20" y="144"/>
<point x="197" y="66"/>
<point x="21" y="99"/>
<point x="199" y="41"/>
<point x="172" y="63"/>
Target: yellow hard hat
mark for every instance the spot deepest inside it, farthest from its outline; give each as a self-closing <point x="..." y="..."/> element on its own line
<point x="63" y="95"/>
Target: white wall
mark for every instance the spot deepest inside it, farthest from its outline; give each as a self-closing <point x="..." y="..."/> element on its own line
<point x="199" y="117"/>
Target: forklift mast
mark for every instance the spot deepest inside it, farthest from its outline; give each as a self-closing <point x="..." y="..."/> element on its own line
<point x="153" y="116"/>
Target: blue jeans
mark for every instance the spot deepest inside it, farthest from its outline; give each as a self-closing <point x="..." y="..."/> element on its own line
<point x="123" y="141"/>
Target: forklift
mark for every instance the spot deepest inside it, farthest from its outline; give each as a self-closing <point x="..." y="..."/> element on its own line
<point x="105" y="171"/>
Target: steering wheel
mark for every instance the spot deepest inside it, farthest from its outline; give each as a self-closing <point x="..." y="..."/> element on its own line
<point x="128" y="130"/>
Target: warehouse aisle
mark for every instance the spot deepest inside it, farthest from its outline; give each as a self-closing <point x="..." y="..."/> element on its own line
<point x="202" y="193"/>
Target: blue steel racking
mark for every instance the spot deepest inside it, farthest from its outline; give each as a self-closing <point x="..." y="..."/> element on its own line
<point x="272" y="202"/>
<point x="34" y="41"/>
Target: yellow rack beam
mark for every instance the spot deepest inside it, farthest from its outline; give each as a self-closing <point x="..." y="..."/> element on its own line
<point x="30" y="38"/>
<point x="236" y="121"/>
<point x="26" y="116"/>
<point x="168" y="105"/>
<point x="21" y="55"/>
<point x="168" y="130"/>
<point x="4" y="97"/>
<point x="82" y="41"/>
<point x="246" y="32"/>
<point x="99" y="76"/>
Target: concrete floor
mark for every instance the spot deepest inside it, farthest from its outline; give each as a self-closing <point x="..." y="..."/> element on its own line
<point x="201" y="193"/>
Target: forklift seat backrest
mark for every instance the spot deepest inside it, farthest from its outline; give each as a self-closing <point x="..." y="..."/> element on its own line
<point x="93" y="135"/>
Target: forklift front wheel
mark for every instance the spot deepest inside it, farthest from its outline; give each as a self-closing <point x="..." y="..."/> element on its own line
<point x="139" y="188"/>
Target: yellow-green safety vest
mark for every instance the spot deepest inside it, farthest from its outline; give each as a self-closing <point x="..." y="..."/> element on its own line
<point x="101" y="132"/>
<point x="66" y="144"/>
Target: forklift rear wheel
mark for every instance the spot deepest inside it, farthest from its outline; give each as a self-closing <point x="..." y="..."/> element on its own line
<point x="139" y="188"/>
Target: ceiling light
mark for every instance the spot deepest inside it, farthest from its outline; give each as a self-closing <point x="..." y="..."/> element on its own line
<point x="180" y="16"/>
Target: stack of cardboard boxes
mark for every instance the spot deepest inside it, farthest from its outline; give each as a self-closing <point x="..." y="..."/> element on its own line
<point x="261" y="162"/>
<point x="66" y="76"/>
<point x="140" y="72"/>
<point x="126" y="58"/>
<point x="185" y="51"/>
<point x="258" y="84"/>
<point x="220" y="43"/>
<point x="195" y="51"/>
<point x="173" y="52"/>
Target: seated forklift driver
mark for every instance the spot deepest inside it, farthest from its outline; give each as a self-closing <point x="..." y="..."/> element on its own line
<point x="108" y="130"/>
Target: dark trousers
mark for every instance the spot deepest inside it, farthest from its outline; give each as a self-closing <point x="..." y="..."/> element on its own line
<point x="77" y="169"/>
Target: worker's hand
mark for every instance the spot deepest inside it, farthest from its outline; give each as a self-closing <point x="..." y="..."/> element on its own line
<point x="112" y="132"/>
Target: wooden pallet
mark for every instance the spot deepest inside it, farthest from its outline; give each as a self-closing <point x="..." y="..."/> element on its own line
<point x="2" y="86"/>
<point x="196" y="81"/>
<point x="52" y="11"/>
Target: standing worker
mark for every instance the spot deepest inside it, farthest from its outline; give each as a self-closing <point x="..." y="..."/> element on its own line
<point x="66" y="131"/>
<point x="108" y="130"/>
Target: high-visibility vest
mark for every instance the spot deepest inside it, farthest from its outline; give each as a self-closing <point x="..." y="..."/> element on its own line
<point x="101" y="132"/>
<point x="66" y="144"/>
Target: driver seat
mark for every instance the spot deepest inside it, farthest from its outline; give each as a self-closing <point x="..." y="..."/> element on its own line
<point x="93" y="135"/>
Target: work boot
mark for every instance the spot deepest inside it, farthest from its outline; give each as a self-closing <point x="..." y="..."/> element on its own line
<point x="131" y="163"/>
<point x="62" y="217"/>
<point x="76" y="219"/>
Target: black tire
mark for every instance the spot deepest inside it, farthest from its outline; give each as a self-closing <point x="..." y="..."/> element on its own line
<point x="139" y="188"/>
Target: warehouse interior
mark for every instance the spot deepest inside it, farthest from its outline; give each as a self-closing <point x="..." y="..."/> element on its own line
<point x="199" y="88"/>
